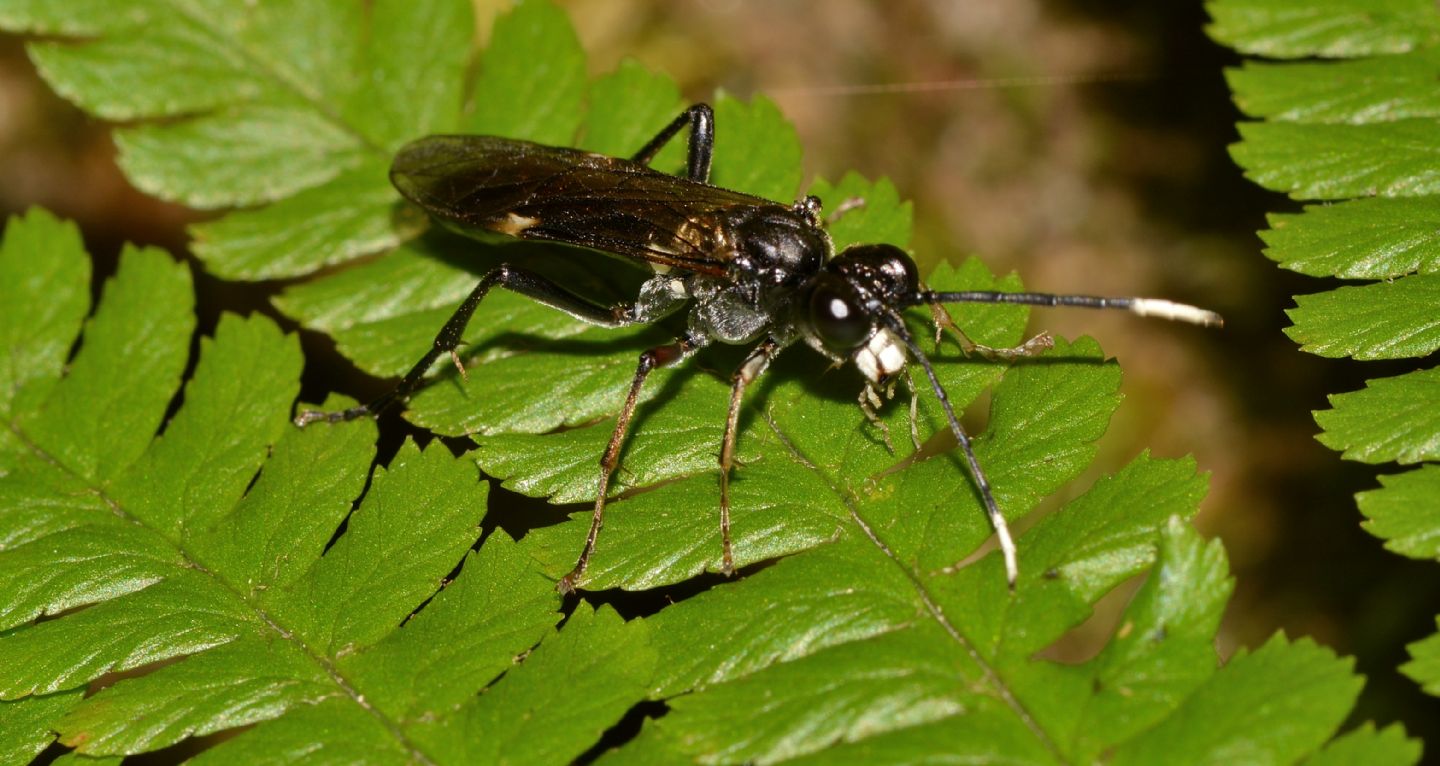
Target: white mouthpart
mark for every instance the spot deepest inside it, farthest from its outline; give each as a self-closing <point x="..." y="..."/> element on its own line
<point x="881" y="356"/>
<point x="1180" y="312"/>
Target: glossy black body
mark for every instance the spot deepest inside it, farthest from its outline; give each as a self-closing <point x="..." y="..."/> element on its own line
<point x="743" y="263"/>
<point x="747" y="270"/>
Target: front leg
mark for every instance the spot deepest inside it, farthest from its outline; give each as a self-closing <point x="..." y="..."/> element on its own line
<point x="870" y="402"/>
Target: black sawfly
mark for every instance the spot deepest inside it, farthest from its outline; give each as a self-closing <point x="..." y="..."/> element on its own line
<point x="747" y="270"/>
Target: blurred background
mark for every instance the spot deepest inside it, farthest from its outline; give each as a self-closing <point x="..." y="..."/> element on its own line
<point x="1079" y="143"/>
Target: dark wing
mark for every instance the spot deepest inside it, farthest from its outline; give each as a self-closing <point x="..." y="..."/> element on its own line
<point x="533" y="191"/>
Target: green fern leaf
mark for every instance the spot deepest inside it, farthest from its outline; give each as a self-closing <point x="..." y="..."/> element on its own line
<point x="627" y="106"/>
<point x="1327" y="28"/>
<point x="197" y="553"/>
<point x="221" y="567"/>
<point x="1358" y="239"/>
<point x="1392" y="420"/>
<point x="1385" y="320"/>
<point x="1424" y="665"/>
<point x="1364" y="744"/>
<point x="281" y="103"/>
<point x="1363" y="128"/>
<point x="1402" y="512"/>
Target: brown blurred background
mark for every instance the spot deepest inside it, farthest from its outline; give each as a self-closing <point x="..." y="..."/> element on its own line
<point x="1080" y="143"/>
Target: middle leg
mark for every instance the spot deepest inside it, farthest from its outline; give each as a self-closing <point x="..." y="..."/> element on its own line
<point x="750" y="369"/>
<point x="660" y="356"/>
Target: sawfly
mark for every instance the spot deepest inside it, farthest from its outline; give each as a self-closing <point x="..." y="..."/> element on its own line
<point x="744" y="269"/>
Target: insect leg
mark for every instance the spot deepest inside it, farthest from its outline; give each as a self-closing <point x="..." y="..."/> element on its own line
<point x="660" y="356"/>
<point x="845" y="206"/>
<point x="1032" y="347"/>
<point x="914" y="410"/>
<point x="701" y="120"/>
<point x="987" y="496"/>
<point x="750" y="369"/>
<point x="869" y="401"/>
<point x="448" y="339"/>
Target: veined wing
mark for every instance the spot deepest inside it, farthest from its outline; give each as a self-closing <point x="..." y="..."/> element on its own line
<point x="533" y="191"/>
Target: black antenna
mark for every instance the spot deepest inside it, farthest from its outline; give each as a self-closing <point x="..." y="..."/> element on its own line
<point x="992" y="509"/>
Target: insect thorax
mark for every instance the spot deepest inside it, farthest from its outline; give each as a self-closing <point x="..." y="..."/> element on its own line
<point x="771" y="252"/>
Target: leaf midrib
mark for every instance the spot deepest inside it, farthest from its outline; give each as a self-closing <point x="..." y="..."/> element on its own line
<point x="991" y="674"/>
<point x="323" y="662"/>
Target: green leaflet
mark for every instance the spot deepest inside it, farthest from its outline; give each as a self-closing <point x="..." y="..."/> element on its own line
<point x="1350" y="91"/>
<point x="1364" y="744"/>
<point x="1358" y="239"/>
<point x="1327" y="28"/>
<point x="534" y="59"/>
<point x="1361" y="132"/>
<point x="38" y="261"/>
<point x="199" y="550"/>
<point x="1424" y="665"/>
<point x="1390" y="419"/>
<point x="627" y="108"/>
<point x="760" y="154"/>
<point x="1331" y="162"/>
<point x="880" y="215"/>
<point x="1279" y="724"/>
<point x="296" y="103"/>
<point x="1384" y="320"/>
<point x="1402" y="514"/>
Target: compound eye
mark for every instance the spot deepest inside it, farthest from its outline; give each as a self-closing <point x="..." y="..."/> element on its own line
<point x="837" y="319"/>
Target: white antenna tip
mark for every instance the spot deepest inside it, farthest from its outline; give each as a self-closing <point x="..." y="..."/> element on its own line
<point x="1007" y="551"/>
<point x="1179" y="312"/>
